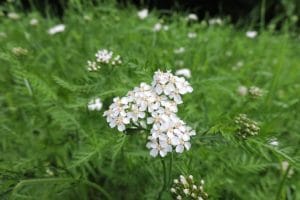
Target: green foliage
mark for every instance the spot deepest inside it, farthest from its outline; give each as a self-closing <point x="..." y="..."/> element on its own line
<point x="52" y="147"/>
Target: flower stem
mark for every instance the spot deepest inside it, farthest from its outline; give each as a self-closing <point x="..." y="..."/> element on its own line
<point x="164" y="178"/>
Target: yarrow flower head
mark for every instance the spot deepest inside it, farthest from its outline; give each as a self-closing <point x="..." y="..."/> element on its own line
<point x="143" y="14"/>
<point x="255" y="92"/>
<point x="180" y="50"/>
<point x="186" y="188"/>
<point x="13" y="16"/>
<point x="192" y="35"/>
<point x="103" y="57"/>
<point x="192" y="17"/>
<point x="34" y="22"/>
<point x="246" y="127"/>
<point x="19" y="51"/>
<point x="159" y="26"/>
<point x="155" y="106"/>
<point x="56" y="29"/>
<point x="251" y="34"/>
<point x="95" y="104"/>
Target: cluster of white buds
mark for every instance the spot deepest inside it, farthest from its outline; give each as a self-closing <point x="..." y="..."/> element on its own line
<point x="103" y="56"/>
<point x="180" y="50"/>
<point x="95" y="104"/>
<point x="255" y="92"/>
<point x="187" y="188"/>
<point x="215" y="21"/>
<point x="155" y="105"/>
<point x="246" y="126"/>
<point x="19" y="51"/>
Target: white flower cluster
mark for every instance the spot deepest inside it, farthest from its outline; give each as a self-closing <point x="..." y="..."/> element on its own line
<point x="143" y="14"/>
<point x="186" y="188"/>
<point x="56" y="29"/>
<point x="251" y="34"/>
<point x="159" y="26"/>
<point x="103" y="56"/>
<point x="95" y="104"/>
<point x="155" y="105"/>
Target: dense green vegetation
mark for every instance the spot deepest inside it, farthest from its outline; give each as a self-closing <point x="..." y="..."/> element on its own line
<point x="53" y="147"/>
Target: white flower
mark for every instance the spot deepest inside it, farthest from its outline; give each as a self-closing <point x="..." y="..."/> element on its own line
<point x="57" y="29"/>
<point x="274" y="142"/>
<point x="183" y="72"/>
<point x="33" y="22"/>
<point x="215" y="21"/>
<point x="104" y="56"/>
<point x="251" y="34"/>
<point x="142" y="14"/>
<point x="157" y="27"/>
<point x="166" y="28"/>
<point x="95" y="104"/>
<point x="192" y="35"/>
<point x="179" y="50"/>
<point x="242" y="90"/>
<point x="192" y="17"/>
<point x="13" y="15"/>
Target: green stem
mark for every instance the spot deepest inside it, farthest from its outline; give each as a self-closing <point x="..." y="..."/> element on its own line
<point x="262" y="14"/>
<point x="285" y="175"/>
<point x="164" y="178"/>
<point x="170" y="168"/>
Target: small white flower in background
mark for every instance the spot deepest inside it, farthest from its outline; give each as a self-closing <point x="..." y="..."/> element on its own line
<point x="183" y="72"/>
<point x="251" y="34"/>
<point x="180" y="50"/>
<point x="165" y="27"/>
<point x="103" y="57"/>
<point x="274" y="142"/>
<point x="95" y="104"/>
<point x="56" y="29"/>
<point x="238" y="65"/>
<point x="242" y="90"/>
<point x="33" y="22"/>
<point x="192" y="35"/>
<point x="19" y="51"/>
<point x="192" y="17"/>
<point x="157" y="27"/>
<point x="256" y="92"/>
<point x="13" y="15"/>
<point x="155" y="104"/>
<point x="143" y="14"/>
<point x="215" y="21"/>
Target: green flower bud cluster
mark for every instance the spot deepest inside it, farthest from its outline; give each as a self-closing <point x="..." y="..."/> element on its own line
<point x="246" y="126"/>
<point x="186" y="188"/>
